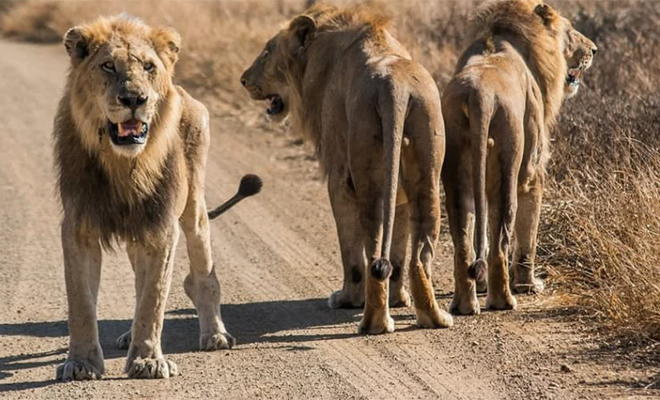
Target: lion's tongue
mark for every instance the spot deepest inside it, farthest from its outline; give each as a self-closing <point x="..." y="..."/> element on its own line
<point x="131" y="127"/>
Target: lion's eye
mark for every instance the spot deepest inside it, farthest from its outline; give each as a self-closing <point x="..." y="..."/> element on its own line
<point x="108" y="66"/>
<point x="149" y="67"/>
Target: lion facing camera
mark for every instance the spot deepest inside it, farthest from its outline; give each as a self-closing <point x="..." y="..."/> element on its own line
<point x="130" y="150"/>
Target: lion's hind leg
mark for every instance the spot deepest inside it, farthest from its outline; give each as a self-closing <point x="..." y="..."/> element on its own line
<point x="376" y="318"/>
<point x="422" y="162"/>
<point x="351" y="241"/>
<point x="201" y="284"/>
<point x="460" y="209"/>
<point x="527" y="222"/>
<point x="366" y="161"/>
<point x="423" y="199"/>
<point x="399" y="296"/>
<point x="502" y="179"/>
<point x="123" y="342"/>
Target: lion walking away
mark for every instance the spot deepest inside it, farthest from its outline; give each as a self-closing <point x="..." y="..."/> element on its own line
<point x="499" y="108"/>
<point x="130" y="150"/>
<point x="374" y="116"/>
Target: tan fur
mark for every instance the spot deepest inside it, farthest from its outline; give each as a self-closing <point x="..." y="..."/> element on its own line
<point x="499" y="108"/>
<point x="137" y="194"/>
<point x="374" y="117"/>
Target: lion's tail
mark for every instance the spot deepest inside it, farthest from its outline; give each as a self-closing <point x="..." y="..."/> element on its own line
<point x="480" y="114"/>
<point x="249" y="186"/>
<point x="392" y="108"/>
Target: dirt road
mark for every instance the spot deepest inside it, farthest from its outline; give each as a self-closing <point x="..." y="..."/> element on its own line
<point x="277" y="257"/>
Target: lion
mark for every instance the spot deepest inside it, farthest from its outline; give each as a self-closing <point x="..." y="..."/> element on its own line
<point x="499" y="108"/>
<point x="373" y="115"/>
<point x="130" y="151"/>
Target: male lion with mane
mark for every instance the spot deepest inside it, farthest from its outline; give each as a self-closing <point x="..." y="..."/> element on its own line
<point x="130" y="149"/>
<point x="499" y="109"/>
<point x="374" y="116"/>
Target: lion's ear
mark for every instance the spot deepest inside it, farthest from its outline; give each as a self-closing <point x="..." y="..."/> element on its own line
<point x="167" y="43"/>
<point x="76" y="44"/>
<point x="302" y="31"/>
<point x="547" y="14"/>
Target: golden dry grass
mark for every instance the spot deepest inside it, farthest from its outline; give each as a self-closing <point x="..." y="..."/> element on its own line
<point x="600" y="234"/>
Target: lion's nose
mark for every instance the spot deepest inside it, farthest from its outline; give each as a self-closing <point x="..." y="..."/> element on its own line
<point x="594" y="50"/>
<point x="244" y="79"/>
<point x="133" y="102"/>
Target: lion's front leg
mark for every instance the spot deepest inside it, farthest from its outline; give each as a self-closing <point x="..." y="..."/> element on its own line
<point x="202" y="285"/>
<point x="153" y="273"/>
<point x="82" y="269"/>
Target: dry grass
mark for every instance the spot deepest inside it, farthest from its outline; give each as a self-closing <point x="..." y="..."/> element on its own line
<point x="600" y="233"/>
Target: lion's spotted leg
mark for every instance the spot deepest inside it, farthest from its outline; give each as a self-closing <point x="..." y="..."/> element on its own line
<point x="153" y="269"/>
<point x="399" y="296"/>
<point x="82" y="268"/>
<point x="460" y="210"/>
<point x="527" y="221"/>
<point x="202" y="285"/>
<point x="351" y="239"/>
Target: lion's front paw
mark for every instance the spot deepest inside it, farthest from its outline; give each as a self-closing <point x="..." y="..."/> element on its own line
<point x="216" y="341"/>
<point x="151" y="368"/>
<point x="124" y="341"/>
<point x="434" y="318"/>
<point x="78" y="370"/>
<point x="376" y="326"/>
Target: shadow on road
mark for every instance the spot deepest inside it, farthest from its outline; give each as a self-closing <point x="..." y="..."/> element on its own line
<point x="265" y="322"/>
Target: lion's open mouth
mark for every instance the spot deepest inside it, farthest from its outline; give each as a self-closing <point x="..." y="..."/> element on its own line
<point x="573" y="77"/>
<point x="275" y="104"/>
<point x="128" y="132"/>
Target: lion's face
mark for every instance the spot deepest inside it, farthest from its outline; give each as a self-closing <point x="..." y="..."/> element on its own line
<point x="266" y="78"/>
<point x="579" y="52"/>
<point x="133" y="80"/>
<point x="123" y="73"/>
<point x="279" y="66"/>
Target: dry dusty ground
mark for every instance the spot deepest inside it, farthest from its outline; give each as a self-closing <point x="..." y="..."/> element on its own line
<point x="278" y="260"/>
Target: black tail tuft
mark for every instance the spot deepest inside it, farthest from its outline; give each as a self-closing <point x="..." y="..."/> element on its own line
<point x="250" y="185"/>
<point x="381" y="269"/>
<point x="478" y="270"/>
